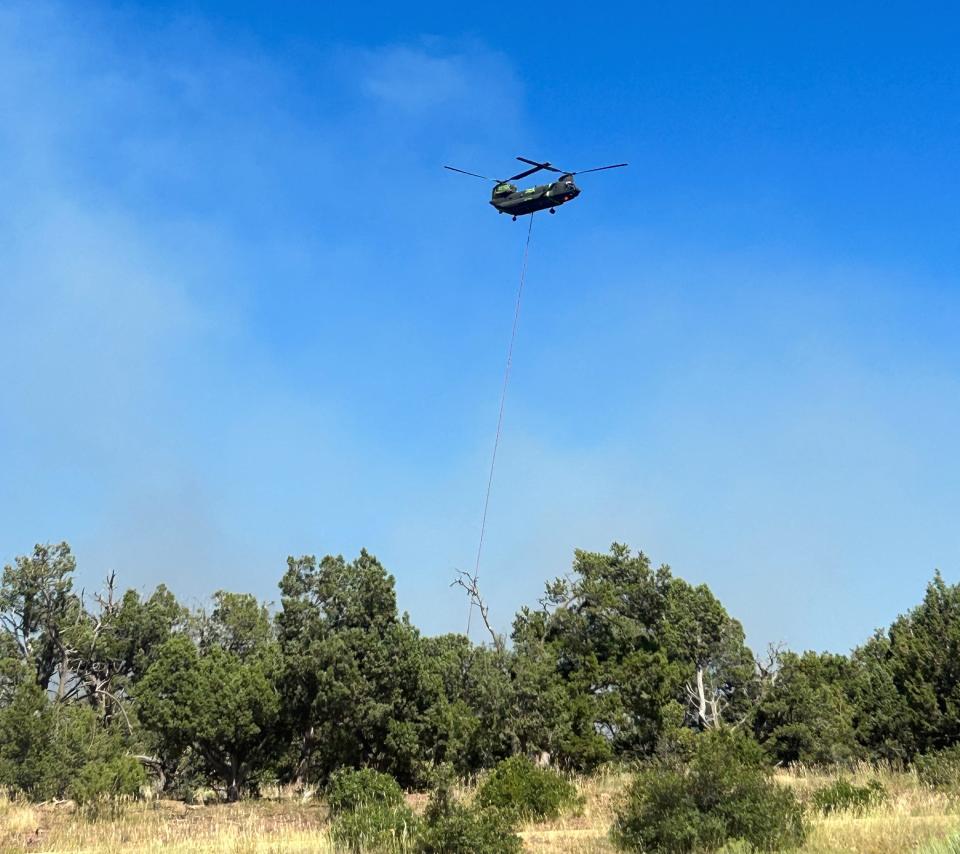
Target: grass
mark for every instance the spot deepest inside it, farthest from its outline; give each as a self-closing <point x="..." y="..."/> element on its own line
<point x="914" y="818"/>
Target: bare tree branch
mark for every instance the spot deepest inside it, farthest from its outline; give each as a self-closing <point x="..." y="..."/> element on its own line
<point x="469" y="583"/>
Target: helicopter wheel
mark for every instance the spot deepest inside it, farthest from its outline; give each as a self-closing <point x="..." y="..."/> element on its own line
<point x="514" y="219"/>
<point x="553" y="210"/>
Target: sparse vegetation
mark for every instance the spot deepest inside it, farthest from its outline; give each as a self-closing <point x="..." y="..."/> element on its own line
<point x="108" y="699"/>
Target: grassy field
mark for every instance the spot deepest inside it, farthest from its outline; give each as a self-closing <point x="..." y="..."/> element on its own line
<point x="914" y="818"/>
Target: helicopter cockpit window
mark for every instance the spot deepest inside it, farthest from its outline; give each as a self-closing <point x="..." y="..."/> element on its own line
<point x="504" y="189"/>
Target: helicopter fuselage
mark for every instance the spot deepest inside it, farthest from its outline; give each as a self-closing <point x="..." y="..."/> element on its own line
<point x="509" y="200"/>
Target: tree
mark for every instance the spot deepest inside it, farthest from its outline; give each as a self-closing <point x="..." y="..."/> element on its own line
<point x="48" y="750"/>
<point x="36" y="602"/>
<point x="808" y="714"/>
<point x="470" y="710"/>
<point x="717" y="668"/>
<point x="107" y="649"/>
<point x="598" y="637"/>
<point x="907" y="683"/>
<point x="353" y="669"/>
<point x="220" y="700"/>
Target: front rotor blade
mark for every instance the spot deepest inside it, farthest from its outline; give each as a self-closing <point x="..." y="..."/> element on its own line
<point x="549" y="167"/>
<point x="599" y="168"/>
<point x="524" y="174"/>
<point x="464" y="172"/>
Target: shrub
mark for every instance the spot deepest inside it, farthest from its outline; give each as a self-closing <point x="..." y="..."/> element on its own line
<point x="374" y="826"/>
<point x="518" y="786"/>
<point x="50" y="750"/>
<point x="460" y="830"/>
<point x="940" y="770"/>
<point x="842" y="795"/>
<point x="723" y="794"/>
<point x="451" y="828"/>
<point x="103" y="786"/>
<point x="350" y="789"/>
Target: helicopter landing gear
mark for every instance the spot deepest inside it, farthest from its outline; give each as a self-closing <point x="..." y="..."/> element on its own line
<point x="514" y="219"/>
<point x="553" y="210"/>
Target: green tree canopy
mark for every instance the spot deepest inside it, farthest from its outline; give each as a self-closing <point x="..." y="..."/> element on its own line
<point x="353" y="669"/>
<point x="219" y="700"/>
<point x="807" y="715"/>
<point x="36" y="603"/>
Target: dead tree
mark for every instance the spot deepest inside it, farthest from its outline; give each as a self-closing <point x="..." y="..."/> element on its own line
<point x="469" y="583"/>
<point x="708" y="703"/>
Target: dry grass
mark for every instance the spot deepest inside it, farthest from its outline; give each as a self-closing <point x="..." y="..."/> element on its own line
<point x="914" y="818"/>
<point x="255" y="827"/>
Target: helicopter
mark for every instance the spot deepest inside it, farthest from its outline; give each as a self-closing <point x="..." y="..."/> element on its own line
<point x="508" y="199"/>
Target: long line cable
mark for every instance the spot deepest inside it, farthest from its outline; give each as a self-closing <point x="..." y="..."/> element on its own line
<point x="503" y="399"/>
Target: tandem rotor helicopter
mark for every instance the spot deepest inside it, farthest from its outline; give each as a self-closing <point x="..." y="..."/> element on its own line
<point x="508" y="199"/>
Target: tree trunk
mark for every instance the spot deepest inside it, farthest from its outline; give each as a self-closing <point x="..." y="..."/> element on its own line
<point x="306" y="749"/>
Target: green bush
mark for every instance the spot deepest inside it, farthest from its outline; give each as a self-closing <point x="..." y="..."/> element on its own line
<point x="518" y="786"/>
<point x="723" y="794"/>
<point x="104" y="786"/>
<point x="843" y="796"/>
<point x="50" y="750"/>
<point x="349" y="790"/>
<point x="451" y="828"/>
<point x="374" y="826"/>
<point x="461" y="830"/>
<point x="940" y="770"/>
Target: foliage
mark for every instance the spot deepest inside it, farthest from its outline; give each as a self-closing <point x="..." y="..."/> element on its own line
<point x="449" y="827"/>
<point x="845" y="796"/>
<point x="353" y="670"/>
<point x="807" y="715"/>
<point x="620" y="661"/>
<point x="907" y="686"/>
<point x="470" y="715"/>
<point x="617" y="647"/>
<point x="36" y="602"/>
<point x="220" y="702"/>
<point x="368" y="811"/>
<point x="102" y="786"/>
<point x="374" y="826"/>
<point x="724" y="794"/>
<point x="518" y="786"/>
<point x="462" y="830"/>
<point x="708" y="647"/>
<point x="49" y="750"/>
<point x="940" y="770"/>
<point x="30" y="761"/>
<point x="350" y="789"/>
<point x="599" y="671"/>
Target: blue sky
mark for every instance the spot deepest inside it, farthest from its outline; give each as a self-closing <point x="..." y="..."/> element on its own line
<point x="246" y="314"/>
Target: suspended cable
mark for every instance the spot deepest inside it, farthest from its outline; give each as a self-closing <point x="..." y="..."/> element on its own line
<point x="503" y="398"/>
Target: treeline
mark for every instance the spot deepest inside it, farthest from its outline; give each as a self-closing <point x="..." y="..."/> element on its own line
<point x="618" y="661"/>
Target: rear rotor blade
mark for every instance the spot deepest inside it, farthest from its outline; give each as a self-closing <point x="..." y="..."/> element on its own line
<point x="464" y="172"/>
<point x="599" y="169"/>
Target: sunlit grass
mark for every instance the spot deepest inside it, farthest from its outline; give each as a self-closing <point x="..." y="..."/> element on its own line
<point x="912" y="816"/>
